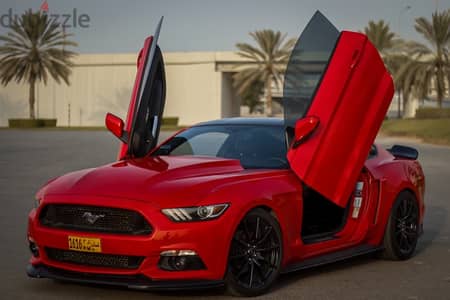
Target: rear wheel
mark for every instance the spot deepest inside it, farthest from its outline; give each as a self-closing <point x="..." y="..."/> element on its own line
<point x="402" y="231"/>
<point x="255" y="255"/>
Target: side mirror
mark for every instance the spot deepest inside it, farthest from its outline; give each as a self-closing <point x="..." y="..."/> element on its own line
<point x="116" y="125"/>
<point x="303" y="130"/>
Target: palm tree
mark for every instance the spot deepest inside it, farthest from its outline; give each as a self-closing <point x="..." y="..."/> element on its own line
<point x="395" y="61"/>
<point x="430" y="63"/>
<point x="381" y="36"/>
<point x="390" y="46"/>
<point x="251" y="97"/>
<point x="33" y="50"/>
<point x="268" y="62"/>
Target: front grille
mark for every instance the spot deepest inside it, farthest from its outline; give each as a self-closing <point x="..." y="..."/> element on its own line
<point x="94" y="219"/>
<point x="94" y="259"/>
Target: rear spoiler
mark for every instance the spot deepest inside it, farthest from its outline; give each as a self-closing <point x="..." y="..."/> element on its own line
<point x="404" y="152"/>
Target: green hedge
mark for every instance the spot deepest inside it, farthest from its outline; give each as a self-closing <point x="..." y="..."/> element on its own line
<point x="429" y="130"/>
<point x="432" y="113"/>
<point x="31" y="123"/>
<point x="170" y="121"/>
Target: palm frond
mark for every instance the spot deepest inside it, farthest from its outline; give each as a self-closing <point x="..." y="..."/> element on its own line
<point x="268" y="59"/>
<point x="380" y="35"/>
<point x="424" y="27"/>
<point x="418" y="68"/>
<point x="33" y="50"/>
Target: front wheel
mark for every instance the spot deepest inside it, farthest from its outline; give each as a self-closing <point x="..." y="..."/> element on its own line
<point x="402" y="231"/>
<point x="255" y="256"/>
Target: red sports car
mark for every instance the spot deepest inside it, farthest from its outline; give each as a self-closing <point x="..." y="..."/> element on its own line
<point x="239" y="201"/>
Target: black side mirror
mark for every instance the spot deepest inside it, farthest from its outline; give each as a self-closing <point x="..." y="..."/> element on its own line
<point x="405" y="152"/>
<point x="164" y="150"/>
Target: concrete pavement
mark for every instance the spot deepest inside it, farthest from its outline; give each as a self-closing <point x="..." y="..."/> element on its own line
<point x="30" y="158"/>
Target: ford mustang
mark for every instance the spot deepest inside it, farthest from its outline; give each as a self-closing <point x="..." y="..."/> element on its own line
<point x="237" y="202"/>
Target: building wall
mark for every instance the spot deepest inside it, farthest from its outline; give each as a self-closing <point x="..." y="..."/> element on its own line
<point x="13" y="102"/>
<point x="193" y="88"/>
<point x="230" y="101"/>
<point x="196" y="90"/>
<point x="199" y="88"/>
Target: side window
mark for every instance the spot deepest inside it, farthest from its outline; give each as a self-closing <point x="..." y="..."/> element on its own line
<point x="208" y="144"/>
<point x="307" y="64"/>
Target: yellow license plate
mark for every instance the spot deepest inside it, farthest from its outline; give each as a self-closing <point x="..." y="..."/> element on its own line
<point x="85" y="244"/>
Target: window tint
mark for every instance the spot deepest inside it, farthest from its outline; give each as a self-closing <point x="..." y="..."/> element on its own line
<point x="306" y="66"/>
<point x="253" y="146"/>
<point x="207" y="144"/>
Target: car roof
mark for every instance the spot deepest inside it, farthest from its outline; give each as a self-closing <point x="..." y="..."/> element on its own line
<point x="245" y="121"/>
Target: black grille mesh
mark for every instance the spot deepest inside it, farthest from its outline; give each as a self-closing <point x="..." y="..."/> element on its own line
<point x="94" y="259"/>
<point x="107" y="219"/>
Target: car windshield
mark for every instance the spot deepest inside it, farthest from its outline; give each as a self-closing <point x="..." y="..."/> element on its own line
<point x="255" y="147"/>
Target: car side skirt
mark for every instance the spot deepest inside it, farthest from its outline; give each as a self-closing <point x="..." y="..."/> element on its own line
<point x="331" y="258"/>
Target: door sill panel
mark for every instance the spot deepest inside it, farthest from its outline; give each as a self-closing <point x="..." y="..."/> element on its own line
<point x="331" y="257"/>
<point x="319" y="238"/>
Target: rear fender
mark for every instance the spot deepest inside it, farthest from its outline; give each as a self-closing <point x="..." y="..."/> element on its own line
<point x="396" y="178"/>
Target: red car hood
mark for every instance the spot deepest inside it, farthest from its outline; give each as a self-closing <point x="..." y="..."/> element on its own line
<point x="183" y="180"/>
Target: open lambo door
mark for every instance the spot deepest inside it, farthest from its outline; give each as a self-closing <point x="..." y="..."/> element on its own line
<point x="336" y="94"/>
<point x="140" y="132"/>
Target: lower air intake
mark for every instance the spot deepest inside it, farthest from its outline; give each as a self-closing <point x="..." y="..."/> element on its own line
<point x="94" y="259"/>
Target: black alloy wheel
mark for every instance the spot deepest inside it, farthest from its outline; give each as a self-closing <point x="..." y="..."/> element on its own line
<point x="255" y="255"/>
<point x="402" y="231"/>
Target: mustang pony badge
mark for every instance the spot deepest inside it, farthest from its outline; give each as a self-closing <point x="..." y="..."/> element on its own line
<point x="91" y="218"/>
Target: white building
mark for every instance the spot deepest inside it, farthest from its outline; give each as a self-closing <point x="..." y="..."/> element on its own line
<point x="199" y="88"/>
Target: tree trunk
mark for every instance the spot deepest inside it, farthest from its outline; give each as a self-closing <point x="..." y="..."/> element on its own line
<point x="439" y="100"/>
<point x="269" y="96"/>
<point x="439" y="87"/>
<point x="410" y="106"/>
<point x="31" y="98"/>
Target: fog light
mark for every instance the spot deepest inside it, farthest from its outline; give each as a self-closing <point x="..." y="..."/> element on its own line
<point x="34" y="249"/>
<point x="178" y="263"/>
<point x="180" y="260"/>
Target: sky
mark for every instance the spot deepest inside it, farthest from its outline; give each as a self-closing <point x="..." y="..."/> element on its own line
<point x="120" y="26"/>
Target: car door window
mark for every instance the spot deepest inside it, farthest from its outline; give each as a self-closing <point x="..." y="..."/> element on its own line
<point x="307" y="64"/>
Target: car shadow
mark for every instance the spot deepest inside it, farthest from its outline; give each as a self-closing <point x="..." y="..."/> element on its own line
<point x="284" y="281"/>
<point x="189" y="293"/>
<point x="434" y="221"/>
<point x="295" y="277"/>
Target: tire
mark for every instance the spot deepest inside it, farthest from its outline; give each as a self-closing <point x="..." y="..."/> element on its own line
<point x="256" y="251"/>
<point x="402" y="231"/>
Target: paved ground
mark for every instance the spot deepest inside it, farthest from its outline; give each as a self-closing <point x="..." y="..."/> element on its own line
<point x="30" y="158"/>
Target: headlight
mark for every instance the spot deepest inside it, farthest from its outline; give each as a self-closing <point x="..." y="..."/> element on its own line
<point x="197" y="213"/>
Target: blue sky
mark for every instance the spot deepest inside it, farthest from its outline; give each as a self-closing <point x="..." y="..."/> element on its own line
<point x="117" y="26"/>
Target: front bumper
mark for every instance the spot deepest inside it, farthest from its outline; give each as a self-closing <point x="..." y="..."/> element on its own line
<point x="138" y="282"/>
<point x="210" y="240"/>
